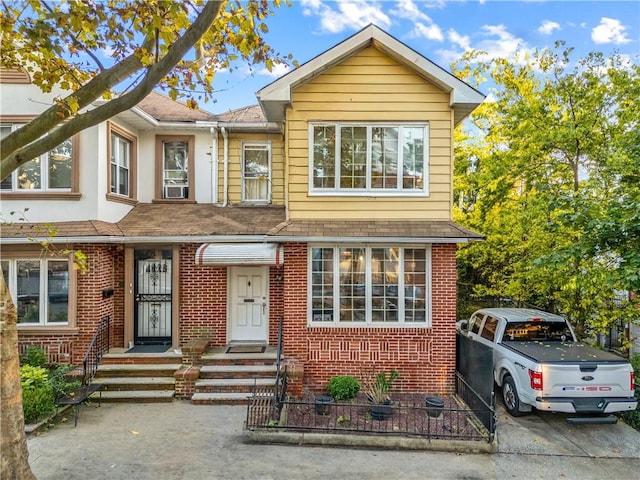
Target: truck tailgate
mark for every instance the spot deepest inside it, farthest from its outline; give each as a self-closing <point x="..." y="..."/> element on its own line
<point x="590" y="379"/>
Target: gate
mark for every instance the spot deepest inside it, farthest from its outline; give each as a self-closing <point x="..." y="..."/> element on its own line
<point x="153" y="297"/>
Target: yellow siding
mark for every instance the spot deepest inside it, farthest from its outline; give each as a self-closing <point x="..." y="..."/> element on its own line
<point x="235" y="165"/>
<point x="370" y="87"/>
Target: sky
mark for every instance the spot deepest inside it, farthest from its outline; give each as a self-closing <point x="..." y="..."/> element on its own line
<point x="440" y="30"/>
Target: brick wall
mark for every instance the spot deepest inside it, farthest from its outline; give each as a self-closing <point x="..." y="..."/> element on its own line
<point x="425" y="357"/>
<point x="104" y="271"/>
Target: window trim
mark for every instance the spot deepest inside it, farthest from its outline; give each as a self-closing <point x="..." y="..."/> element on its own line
<point x="369" y="323"/>
<point x="42" y="328"/>
<point x="267" y="146"/>
<point x="367" y="191"/>
<point x="191" y="141"/>
<point x="72" y="193"/>
<point x="131" y="199"/>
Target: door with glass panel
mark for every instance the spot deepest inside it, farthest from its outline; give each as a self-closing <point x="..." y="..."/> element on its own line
<point x="153" y="297"/>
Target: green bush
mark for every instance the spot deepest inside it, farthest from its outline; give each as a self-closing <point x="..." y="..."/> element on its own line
<point x="343" y="387"/>
<point x="37" y="393"/>
<point x="632" y="418"/>
<point x="34" y="356"/>
<point x="60" y="382"/>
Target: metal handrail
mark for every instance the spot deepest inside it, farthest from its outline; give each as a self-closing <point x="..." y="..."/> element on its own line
<point x="280" y="390"/>
<point x="98" y="346"/>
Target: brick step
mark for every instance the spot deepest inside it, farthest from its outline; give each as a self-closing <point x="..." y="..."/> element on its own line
<point x="232" y="385"/>
<point x="136" y="396"/>
<point x="141" y="358"/>
<point x="136" y="383"/>
<point x="220" y="358"/>
<point x="221" y="398"/>
<point x="138" y="370"/>
<point x="237" y="371"/>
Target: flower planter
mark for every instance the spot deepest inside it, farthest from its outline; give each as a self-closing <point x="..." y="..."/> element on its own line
<point x="381" y="411"/>
<point x="435" y="406"/>
<point x="323" y="405"/>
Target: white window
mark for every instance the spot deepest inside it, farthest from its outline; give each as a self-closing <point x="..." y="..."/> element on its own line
<point x="385" y="285"/>
<point x="51" y="171"/>
<point x="256" y="172"/>
<point x="40" y="289"/>
<point x="368" y="159"/>
<point x="120" y="164"/>
<point x="175" y="169"/>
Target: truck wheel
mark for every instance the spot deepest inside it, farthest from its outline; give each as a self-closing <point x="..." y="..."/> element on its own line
<point x="510" y="397"/>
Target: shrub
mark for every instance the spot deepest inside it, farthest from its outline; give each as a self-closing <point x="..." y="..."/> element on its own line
<point x="37" y="393"/>
<point x="632" y="418"/>
<point x="34" y="356"/>
<point x="343" y="387"/>
<point x="60" y="382"/>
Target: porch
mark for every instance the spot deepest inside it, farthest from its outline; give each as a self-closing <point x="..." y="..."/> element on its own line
<point x="217" y="375"/>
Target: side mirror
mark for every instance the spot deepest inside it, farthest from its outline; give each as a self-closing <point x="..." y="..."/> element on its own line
<point x="463" y="326"/>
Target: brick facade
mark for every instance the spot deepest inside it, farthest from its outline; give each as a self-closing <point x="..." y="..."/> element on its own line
<point x="425" y="357"/>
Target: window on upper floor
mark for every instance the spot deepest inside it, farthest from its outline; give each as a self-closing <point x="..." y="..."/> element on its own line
<point x="373" y="286"/>
<point x="122" y="164"/>
<point x="50" y="172"/>
<point x="175" y="166"/>
<point x="40" y="287"/>
<point x="376" y="159"/>
<point x="256" y="172"/>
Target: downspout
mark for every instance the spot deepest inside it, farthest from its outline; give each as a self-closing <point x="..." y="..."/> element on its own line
<point x="225" y="186"/>
<point x="214" y="165"/>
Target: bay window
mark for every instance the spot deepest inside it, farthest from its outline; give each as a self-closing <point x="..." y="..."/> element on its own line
<point x="40" y="289"/>
<point x="380" y="285"/>
<point x="50" y="172"/>
<point x="368" y="159"/>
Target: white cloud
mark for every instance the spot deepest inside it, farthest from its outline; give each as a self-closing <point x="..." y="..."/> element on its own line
<point x="610" y="30"/>
<point x="430" y="32"/>
<point x="408" y="9"/>
<point x="548" y="27"/>
<point x="336" y="17"/>
<point x="278" y="70"/>
<point x="462" y="41"/>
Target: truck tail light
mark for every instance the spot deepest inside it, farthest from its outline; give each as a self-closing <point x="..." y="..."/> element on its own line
<point x="633" y="382"/>
<point x="536" y="380"/>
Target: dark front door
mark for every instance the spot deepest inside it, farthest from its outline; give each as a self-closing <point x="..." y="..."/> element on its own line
<point x="153" y="297"/>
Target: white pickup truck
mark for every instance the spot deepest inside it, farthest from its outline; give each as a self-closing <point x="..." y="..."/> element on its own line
<point x="539" y="363"/>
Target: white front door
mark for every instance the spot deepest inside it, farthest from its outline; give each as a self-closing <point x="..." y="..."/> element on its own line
<point x="249" y="304"/>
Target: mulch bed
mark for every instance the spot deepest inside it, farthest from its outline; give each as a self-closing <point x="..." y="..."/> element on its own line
<point x="409" y="417"/>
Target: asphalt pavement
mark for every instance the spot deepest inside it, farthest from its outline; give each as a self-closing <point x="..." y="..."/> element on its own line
<point x="183" y="441"/>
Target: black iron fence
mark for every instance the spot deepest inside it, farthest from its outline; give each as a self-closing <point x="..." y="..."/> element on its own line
<point x="412" y="415"/>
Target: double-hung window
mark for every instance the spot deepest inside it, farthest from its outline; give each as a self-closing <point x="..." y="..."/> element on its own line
<point x="175" y="163"/>
<point x="40" y="288"/>
<point x="369" y="285"/>
<point x="50" y="172"/>
<point x="122" y="164"/>
<point x="376" y="159"/>
<point x="256" y="172"/>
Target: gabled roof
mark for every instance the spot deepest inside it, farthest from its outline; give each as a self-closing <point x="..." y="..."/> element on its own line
<point x="164" y="109"/>
<point x="276" y="96"/>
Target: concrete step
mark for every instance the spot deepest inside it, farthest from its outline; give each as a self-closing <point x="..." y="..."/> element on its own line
<point x="136" y="383"/>
<point x="142" y="370"/>
<point x="221" y="398"/>
<point x="237" y="371"/>
<point x="135" y="396"/>
<point x="220" y="358"/>
<point x="141" y="358"/>
<point x="231" y="385"/>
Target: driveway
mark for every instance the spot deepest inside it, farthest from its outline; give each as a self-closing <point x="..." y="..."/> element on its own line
<point x="184" y="441"/>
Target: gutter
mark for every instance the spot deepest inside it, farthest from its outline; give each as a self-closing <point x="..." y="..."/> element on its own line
<point x="225" y="161"/>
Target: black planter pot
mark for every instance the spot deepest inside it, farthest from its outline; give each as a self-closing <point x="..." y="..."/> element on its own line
<point x="381" y="411"/>
<point x="435" y="406"/>
<point x="323" y="404"/>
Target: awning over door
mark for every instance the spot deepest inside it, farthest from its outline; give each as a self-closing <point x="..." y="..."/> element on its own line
<point x="240" y="254"/>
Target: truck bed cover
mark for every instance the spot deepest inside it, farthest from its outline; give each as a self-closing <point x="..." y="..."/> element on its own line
<point x="549" y="352"/>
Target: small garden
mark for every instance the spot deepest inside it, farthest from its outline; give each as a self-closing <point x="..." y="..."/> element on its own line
<point x="368" y="406"/>
<point x="43" y="384"/>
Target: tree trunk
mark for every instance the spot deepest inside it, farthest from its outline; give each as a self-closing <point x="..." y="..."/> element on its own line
<point x="13" y="452"/>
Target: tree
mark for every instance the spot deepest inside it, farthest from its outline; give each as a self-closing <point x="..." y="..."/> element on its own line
<point x="552" y="181"/>
<point x="174" y="45"/>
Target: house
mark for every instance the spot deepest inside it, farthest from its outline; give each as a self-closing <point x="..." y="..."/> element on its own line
<point x="328" y="205"/>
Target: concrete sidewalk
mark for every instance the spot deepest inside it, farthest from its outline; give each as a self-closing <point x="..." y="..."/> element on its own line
<point x="184" y="441"/>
